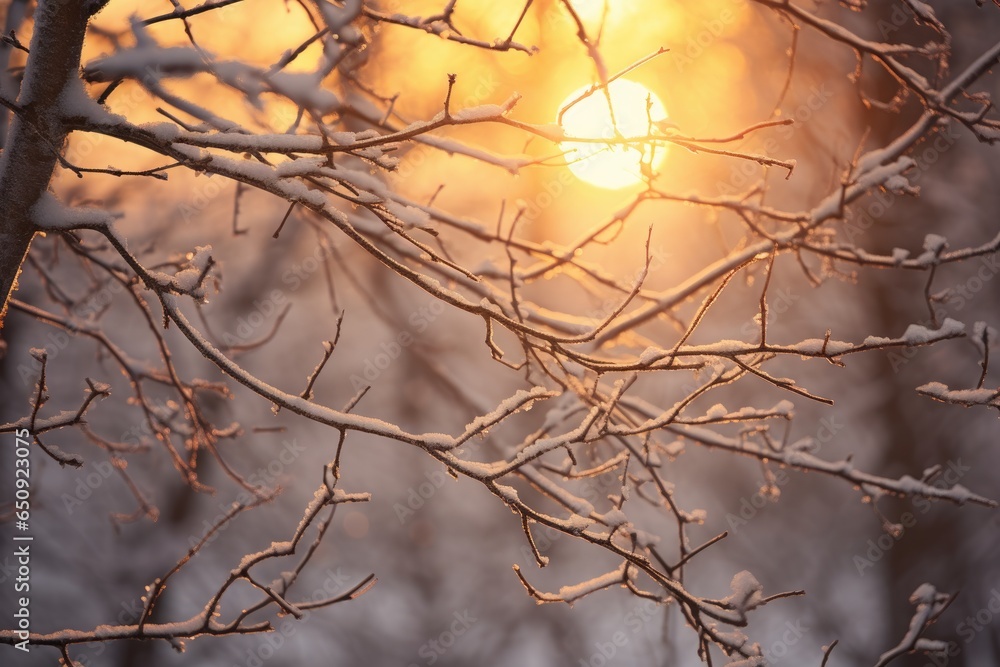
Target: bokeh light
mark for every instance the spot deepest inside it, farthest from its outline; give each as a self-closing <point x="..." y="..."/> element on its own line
<point x="628" y="110"/>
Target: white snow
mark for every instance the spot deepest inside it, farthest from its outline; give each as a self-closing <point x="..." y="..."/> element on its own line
<point x="49" y="213"/>
<point x="346" y="138"/>
<point x="579" y="506"/>
<point x="239" y="141"/>
<point x="966" y="397"/>
<point x="833" y="348"/>
<point x="75" y="102"/>
<point x="747" y="592"/>
<point x="363" y="180"/>
<point x="899" y="185"/>
<point x="577" y="524"/>
<point x="145" y="61"/>
<point x="674" y="449"/>
<point x="186" y="280"/>
<point x="784" y="407"/>
<point x="917" y="334"/>
<point x="875" y="341"/>
<point x="306" y="90"/>
<point x="871" y="175"/>
<point x="922" y="9"/>
<point x="338" y="18"/>
<point x="165" y="132"/>
<point x="924" y="594"/>
<point x="451" y="146"/>
<point x="646" y="539"/>
<point x="697" y="516"/>
<point x="571" y="593"/>
<point x="651" y="355"/>
<point x="550" y="131"/>
<point x="507" y="406"/>
<point x="717" y="411"/>
<point x="935" y="242"/>
<point x="480" y="113"/>
<point x="613" y="518"/>
<point x="934" y="245"/>
<point x="408" y="215"/>
<point x="300" y="167"/>
<point x="508" y="493"/>
<point x="983" y="335"/>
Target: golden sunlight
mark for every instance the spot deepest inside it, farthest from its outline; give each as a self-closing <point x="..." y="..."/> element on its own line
<point x="605" y="165"/>
<point x="590" y="10"/>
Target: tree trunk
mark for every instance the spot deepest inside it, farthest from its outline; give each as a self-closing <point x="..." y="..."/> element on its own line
<point x="37" y="132"/>
<point x="17" y="12"/>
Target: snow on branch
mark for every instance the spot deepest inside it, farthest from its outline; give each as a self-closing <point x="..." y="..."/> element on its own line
<point x="964" y="397"/>
<point x="628" y="369"/>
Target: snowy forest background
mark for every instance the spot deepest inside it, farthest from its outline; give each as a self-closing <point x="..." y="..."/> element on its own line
<point x="442" y="548"/>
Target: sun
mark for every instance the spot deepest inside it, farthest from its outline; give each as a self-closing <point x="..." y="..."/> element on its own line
<point x="605" y="165"/>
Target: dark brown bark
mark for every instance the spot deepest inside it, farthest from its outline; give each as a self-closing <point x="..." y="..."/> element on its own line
<point x="37" y="132"/>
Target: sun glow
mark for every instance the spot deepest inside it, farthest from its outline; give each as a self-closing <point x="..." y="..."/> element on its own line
<point x="619" y="165"/>
<point x="590" y="10"/>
